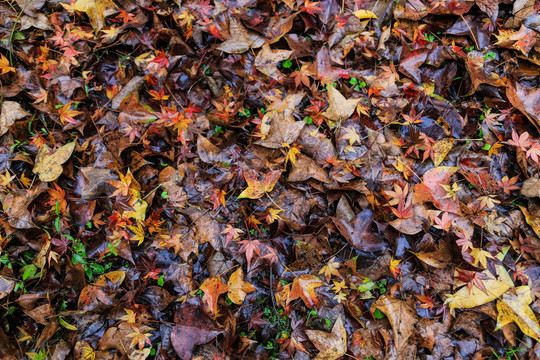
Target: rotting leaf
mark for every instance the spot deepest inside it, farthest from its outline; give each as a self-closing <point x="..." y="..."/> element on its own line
<point x="10" y="112"/>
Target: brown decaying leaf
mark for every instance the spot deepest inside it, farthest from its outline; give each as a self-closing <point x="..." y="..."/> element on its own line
<point x="332" y="345"/>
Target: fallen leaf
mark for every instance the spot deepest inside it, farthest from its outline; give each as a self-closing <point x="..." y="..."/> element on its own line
<point x="305" y="169"/>
<point x="466" y="298"/>
<point x="97" y="11"/>
<point x="6" y="286"/>
<point x="441" y="148"/>
<point x="212" y="288"/>
<point x="515" y="308"/>
<point x="241" y="40"/>
<point x="278" y="125"/>
<point x="365" y="14"/>
<point x="402" y="317"/>
<point x="267" y="60"/>
<point x="431" y="190"/>
<point x="238" y="288"/>
<point x="332" y="345"/>
<point x="304" y="288"/>
<point x="11" y="112"/>
<point x="339" y="108"/>
<point x="357" y="232"/>
<point x="49" y="165"/>
<point x="193" y="327"/>
<point x="258" y="184"/>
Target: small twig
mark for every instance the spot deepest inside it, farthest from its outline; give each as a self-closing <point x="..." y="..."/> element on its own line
<point x="472" y="34"/>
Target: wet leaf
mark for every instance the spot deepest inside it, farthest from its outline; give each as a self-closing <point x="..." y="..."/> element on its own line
<point x="212" y="288"/>
<point x="515" y="308"/>
<point x="258" y="185"/>
<point x="97" y="10"/>
<point x="49" y="163"/>
<point x="238" y="288"/>
<point x="10" y="112"/>
<point x="304" y="288"/>
<point x="332" y="345"/>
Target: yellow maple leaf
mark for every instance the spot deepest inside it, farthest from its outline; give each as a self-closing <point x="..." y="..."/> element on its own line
<point x="259" y="185"/>
<point x="5" y="66"/>
<point x="480" y="256"/>
<point x="97" y="10"/>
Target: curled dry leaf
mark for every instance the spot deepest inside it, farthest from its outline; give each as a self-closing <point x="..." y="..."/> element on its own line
<point x="49" y="164"/>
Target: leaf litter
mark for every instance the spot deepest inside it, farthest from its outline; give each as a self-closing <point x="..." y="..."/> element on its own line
<point x="272" y="180"/>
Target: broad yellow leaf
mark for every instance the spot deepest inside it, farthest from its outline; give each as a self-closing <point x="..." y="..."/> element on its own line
<point x="515" y="308"/>
<point x="238" y="288"/>
<point x="441" y="149"/>
<point x="365" y="14"/>
<point x="49" y="165"/>
<point x="258" y="184"/>
<point x="97" y="10"/>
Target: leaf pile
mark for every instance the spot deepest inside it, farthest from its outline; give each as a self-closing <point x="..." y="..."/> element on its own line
<point x="207" y="179"/>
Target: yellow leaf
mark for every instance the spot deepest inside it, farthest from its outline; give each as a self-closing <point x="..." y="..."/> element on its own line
<point x="97" y="10"/>
<point x="441" y="148"/>
<point x="258" y="184"/>
<point x="365" y="14"/>
<point x="238" y="288"/>
<point x="481" y="256"/>
<point x="115" y="277"/>
<point x="515" y="308"/>
<point x="339" y="108"/>
<point x="49" y="165"/>
<point x="465" y="299"/>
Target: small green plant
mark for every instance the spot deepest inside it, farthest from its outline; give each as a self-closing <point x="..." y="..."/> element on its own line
<point x="287" y="64"/>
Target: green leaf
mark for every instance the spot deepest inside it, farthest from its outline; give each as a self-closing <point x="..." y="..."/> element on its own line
<point x="377" y="314"/>
<point x="65" y="324"/>
<point x="287" y="64"/>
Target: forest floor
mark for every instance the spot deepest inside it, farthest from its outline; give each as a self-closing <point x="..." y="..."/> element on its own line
<point x="290" y="179"/>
